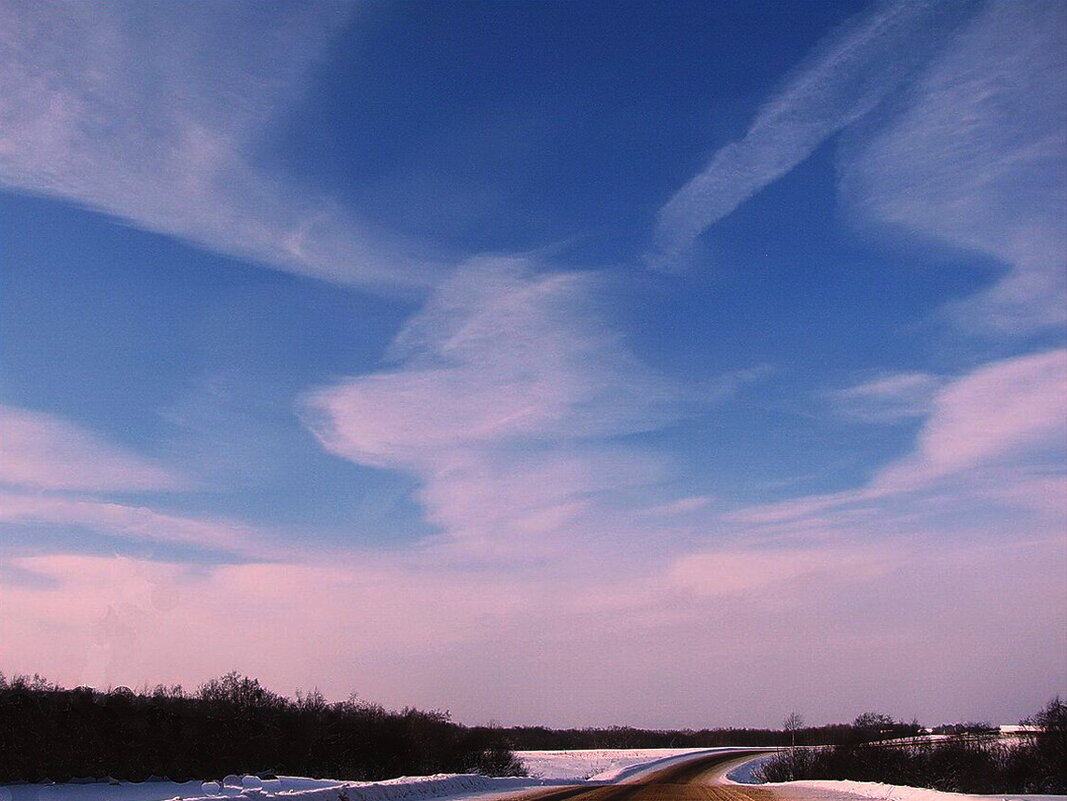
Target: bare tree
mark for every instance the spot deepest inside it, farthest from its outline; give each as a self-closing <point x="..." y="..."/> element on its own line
<point x="793" y="723"/>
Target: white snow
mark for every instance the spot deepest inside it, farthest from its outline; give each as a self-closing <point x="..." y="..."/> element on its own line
<point x="553" y="768"/>
<point x="896" y="792"/>
<point x="742" y="774"/>
<point x="600" y="764"/>
<point x="289" y="788"/>
<point x="545" y="767"/>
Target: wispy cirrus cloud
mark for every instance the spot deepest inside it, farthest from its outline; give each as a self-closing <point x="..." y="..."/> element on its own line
<point x="140" y="524"/>
<point x="55" y="473"/>
<point x="152" y="114"/>
<point x="997" y="435"/>
<point x="348" y="623"/>
<point x="1009" y="413"/>
<point x="42" y="451"/>
<point x="886" y="399"/>
<point x="507" y="486"/>
<point x="743" y="572"/>
<point x="851" y="71"/>
<point x="976" y="154"/>
<point x="508" y="390"/>
<point x="954" y="127"/>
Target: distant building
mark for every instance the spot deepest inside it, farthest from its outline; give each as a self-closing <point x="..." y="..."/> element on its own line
<point x="1018" y="728"/>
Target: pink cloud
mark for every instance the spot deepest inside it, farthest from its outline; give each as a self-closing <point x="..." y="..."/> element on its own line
<point x="596" y="641"/>
<point x="136" y="523"/>
<point x="102" y="620"/>
<point x="681" y="506"/>
<point x="887" y="398"/>
<point x="742" y="572"/>
<point x="1007" y="412"/>
<point x="41" y="451"/>
<point x="991" y="434"/>
<point x="507" y="388"/>
<point x="974" y="155"/>
<point x="84" y="119"/>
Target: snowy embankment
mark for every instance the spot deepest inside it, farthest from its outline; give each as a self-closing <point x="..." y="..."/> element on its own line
<point x="546" y="768"/>
<point x="290" y="788"/>
<point x="742" y="774"/>
<point x="896" y="792"/>
<point x="601" y="764"/>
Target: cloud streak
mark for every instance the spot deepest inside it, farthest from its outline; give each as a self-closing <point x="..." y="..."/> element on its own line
<point x="887" y="399"/>
<point x="954" y="127"/>
<point x="561" y="640"/>
<point x="976" y="154"/>
<point x="151" y="114"/>
<point x="507" y="390"/>
<point x="133" y="523"/>
<point x="1005" y="414"/>
<point x="849" y="74"/>
<point x="55" y="473"/>
<point x="42" y="451"/>
<point x="996" y="436"/>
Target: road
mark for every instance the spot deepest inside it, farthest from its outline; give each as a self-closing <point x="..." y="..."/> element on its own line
<point x="699" y="779"/>
<point x="691" y="780"/>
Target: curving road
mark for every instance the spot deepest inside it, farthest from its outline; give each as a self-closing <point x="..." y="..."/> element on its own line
<point x="698" y="779"/>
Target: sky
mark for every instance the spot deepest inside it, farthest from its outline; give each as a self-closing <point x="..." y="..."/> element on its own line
<point x="564" y="363"/>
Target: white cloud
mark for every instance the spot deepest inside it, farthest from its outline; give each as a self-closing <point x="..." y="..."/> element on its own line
<point x="743" y="572"/>
<point x="498" y="355"/>
<point x="681" y="506"/>
<point x="994" y="439"/>
<point x="507" y="383"/>
<point x="955" y="127"/>
<point x="152" y="113"/>
<point x="41" y="451"/>
<point x="49" y="465"/>
<point x="976" y="155"/>
<point x="851" y="71"/>
<point x="1007" y="413"/>
<point x="887" y="399"/>
<point x="134" y="523"/>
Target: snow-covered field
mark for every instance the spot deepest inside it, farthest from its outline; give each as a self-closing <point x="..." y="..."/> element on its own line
<point x="545" y="767"/>
<point x="291" y="788"/>
<point x="604" y="764"/>
<point x="874" y="790"/>
<point x="896" y="792"/>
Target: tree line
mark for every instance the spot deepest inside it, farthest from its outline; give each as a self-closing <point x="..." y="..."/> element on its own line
<point x="231" y="724"/>
<point x="968" y="758"/>
<point x="867" y="727"/>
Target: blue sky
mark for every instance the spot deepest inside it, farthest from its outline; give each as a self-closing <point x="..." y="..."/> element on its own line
<point x="447" y="352"/>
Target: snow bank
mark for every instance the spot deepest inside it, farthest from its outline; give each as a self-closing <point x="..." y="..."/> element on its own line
<point x="896" y="792"/>
<point x="600" y="764"/>
<point x="546" y="768"/>
<point x="284" y="788"/>
<point x="742" y="774"/>
<point x="449" y="785"/>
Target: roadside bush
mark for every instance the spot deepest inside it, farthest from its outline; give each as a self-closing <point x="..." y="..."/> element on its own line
<point x="963" y="763"/>
<point x="230" y="725"/>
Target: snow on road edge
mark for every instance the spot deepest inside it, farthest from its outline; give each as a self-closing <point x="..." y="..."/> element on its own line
<point x="599" y="764"/>
<point x="897" y="792"/>
<point x="290" y="788"/>
<point x="875" y="790"/>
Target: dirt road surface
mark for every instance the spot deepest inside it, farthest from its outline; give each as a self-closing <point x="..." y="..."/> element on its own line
<point x="698" y="779"/>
